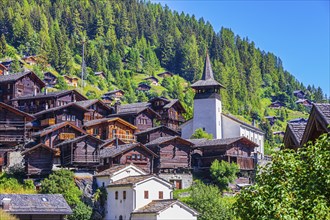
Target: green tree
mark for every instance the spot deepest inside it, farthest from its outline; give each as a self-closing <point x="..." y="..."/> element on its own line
<point x="294" y="186"/>
<point x="15" y="66"/>
<point x="199" y="134"/>
<point x="223" y="173"/>
<point x="6" y="216"/>
<point x="61" y="83"/>
<point x="3" y="46"/>
<point x="81" y="212"/>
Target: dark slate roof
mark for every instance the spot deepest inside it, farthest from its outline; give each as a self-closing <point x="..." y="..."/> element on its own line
<point x="43" y="95"/>
<point x="86" y="103"/>
<point x="71" y="104"/>
<point x="156" y="206"/>
<point x="218" y="142"/>
<point x="152" y="78"/>
<point x="161" y="140"/>
<point x="131" y="180"/>
<point x="36" y="147"/>
<point x="324" y="110"/>
<point x="13" y="77"/>
<point x="16" y="111"/>
<point x="133" y="108"/>
<point x="110" y="171"/>
<point x="77" y="139"/>
<point x="45" y="204"/>
<point x="207" y="77"/>
<point x="150" y="130"/>
<point x="113" y="92"/>
<point x="55" y="127"/>
<point x="171" y="103"/>
<point x="297" y="130"/>
<point x="243" y="123"/>
<point x="298" y="120"/>
<point x="116" y="150"/>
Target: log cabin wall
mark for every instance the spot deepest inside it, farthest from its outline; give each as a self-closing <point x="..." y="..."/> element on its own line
<point x="55" y="137"/>
<point x="6" y="92"/>
<point x="72" y="115"/>
<point x="83" y="153"/>
<point x="12" y="127"/>
<point x="26" y="86"/>
<point x="136" y="156"/>
<point x="143" y="121"/>
<point x="39" y="162"/>
<point x="146" y="138"/>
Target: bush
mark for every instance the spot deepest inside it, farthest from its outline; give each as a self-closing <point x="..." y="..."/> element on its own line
<point x="81" y="212"/>
<point x="223" y="173"/>
<point x="6" y="216"/>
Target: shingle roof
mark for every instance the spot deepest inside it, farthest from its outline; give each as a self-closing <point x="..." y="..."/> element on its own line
<point x="55" y="127"/>
<point x="102" y="120"/>
<point x="45" y="204"/>
<point x="43" y="95"/>
<point x="72" y="104"/>
<point x="298" y="120"/>
<point x="17" y="111"/>
<point x="131" y="180"/>
<point x="297" y="130"/>
<point x="171" y="103"/>
<point x="74" y="140"/>
<point x="36" y="147"/>
<point x="161" y="140"/>
<point x="243" y="123"/>
<point x="324" y="110"/>
<point x="157" y="206"/>
<point x="150" y="130"/>
<point x="116" y="150"/>
<point x="110" y="171"/>
<point x="86" y="103"/>
<point x="218" y="142"/>
<point x="133" y="108"/>
<point x="113" y="92"/>
<point x="13" y="77"/>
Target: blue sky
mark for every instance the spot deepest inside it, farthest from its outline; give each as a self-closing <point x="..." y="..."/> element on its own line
<point x="295" y="31"/>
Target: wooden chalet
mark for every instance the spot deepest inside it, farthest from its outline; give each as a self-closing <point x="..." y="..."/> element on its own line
<point x="318" y="123"/>
<point x="153" y="80"/>
<point x="304" y="102"/>
<point x="299" y="94"/>
<point x="71" y="80"/>
<point x="239" y="150"/>
<point x="271" y="119"/>
<point x="113" y="95"/>
<point x="134" y="153"/>
<point x="153" y="133"/>
<point x="143" y="87"/>
<point x="13" y="125"/>
<point x="72" y="113"/>
<point x="170" y="111"/>
<point x="98" y="108"/>
<point x="174" y="154"/>
<point x="82" y="151"/>
<point x="101" y="75"/>
<point x="276" y="105"/>
<point x="109" y="128"/>
<point x="165" y="74"/>
<point x="47" y="100"/>
<point x="3" y="69"/>
<point x="50" y="79"/>
<point x="19" y="84"/>
<point x="293" y="135"/>
<point x="31" y="60"/>
<point x="138" y="114"/>
<point x="39" y="160"/>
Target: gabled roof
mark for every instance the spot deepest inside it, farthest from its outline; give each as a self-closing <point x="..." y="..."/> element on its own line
<point x="144" y="85"/>
<point x="111" y="141"/>
<point x="16" y="76"/>
<point x="41" y="204"/>
<point x="207" y="77"/>
<point x="113" y="170"/>
<point x="17" y="111"/>
<point x="243" y="123"/>
<point x="120" y="149"/>
<point x="151" y="130"/>
<point x="72" y="104"/>
<point x="162" y="140"/>
<point x="56" y="127"/>
<point x="324" y="111"/>
<point x="113" y="92"/>
<point x="298" y="120"/>
<point x="166" y="72"/>
<point x="51" y="95"/>
<point x="151" y="78"/>
<point x="88" y="103"/>
<point x="133" y="180"/>
<point x="38" y="146"/>
<point x="135" y="108"/>
<point x="106" y="120"/>
<point x="295" y="131"/>
<point x="158" y="206"/>
<point x="77" y="139"/>
<point x="221" y="142"/>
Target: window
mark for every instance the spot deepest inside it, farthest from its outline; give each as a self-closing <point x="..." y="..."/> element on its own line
<point x="128" y="157"/>
<point x="73" y="118"/>
<point x="203" y="129"/>
<point x="116" y="195"/>
<point x="96" y="131"/>
<point x="133" y="156"/>
<point x="124" y="194"/>
<point x="146" y="194"/>
<point x="160" y="195"/>
<point x="63" y="117"/>
<point x="138" y="157"/>
<point x="143" y="157"/>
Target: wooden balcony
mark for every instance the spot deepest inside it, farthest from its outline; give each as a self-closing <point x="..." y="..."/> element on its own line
<point x="128" y="138"/>
<point x="81" y="159"/>
<point x="11" y="138"/>
<point x="48" y="122"/>
<point x="66" y="136"/>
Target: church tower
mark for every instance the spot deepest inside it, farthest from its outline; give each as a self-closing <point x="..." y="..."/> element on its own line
<point x="207" y="103"/>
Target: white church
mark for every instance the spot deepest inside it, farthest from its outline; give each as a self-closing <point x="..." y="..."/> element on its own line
<point x="208" y="114"/>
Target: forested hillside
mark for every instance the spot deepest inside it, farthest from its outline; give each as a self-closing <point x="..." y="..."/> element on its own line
<point x="125" y="38"/>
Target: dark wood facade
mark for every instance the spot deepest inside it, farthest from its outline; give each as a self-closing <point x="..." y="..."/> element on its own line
<point x="151" y="134"/>
<point x="83" y="151"/>
<point x="44" y="101"/>
<point x="170" y="111"/>
<point x="13" y="129"/>
<point x="3" y="70"/>
<point x="38" y="160"/>
<point x="50" y="79"/>
<point x="18" y="85"/>
<point x="174" y="154"/>
<point x="135" y="153"/>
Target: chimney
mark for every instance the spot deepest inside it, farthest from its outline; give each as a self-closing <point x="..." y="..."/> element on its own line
<point x="5" y="203"/>
<point x="116" y="105"/>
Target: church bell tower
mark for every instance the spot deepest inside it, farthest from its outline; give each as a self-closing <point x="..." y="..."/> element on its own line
<point x="207" y="103"/>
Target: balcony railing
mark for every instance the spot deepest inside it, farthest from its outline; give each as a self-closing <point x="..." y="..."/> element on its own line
<point x="48" y="122"/>
<point x="81" y="158"/>
<point x="125" y="137"/>
<point x="11" y="138"/>
<point x="67" y="136"/>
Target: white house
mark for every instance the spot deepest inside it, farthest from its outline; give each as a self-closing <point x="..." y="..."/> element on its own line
<point x="209" y="117"/>
<point x="131" y="194"/>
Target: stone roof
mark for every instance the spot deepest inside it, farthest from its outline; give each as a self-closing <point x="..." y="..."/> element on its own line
<point x="150" y="130"/>
<point x="55" y="127"/>
<point x="297" y="130"/>
<point x="298" y="120"/>
<point x="17" y="111"/>
<point x="88" y="103"/>
<point x="43" y="95"/>
<point x="171" y="103"/>
<point x="243" y="123"/>
<point x="13" y="77"/>
<point x="71" y="104"/>
<point x="45" y="204"/>
<point x="131" y="180"/>
<point x="116" y="150"/>
<point x="77" y="139"/>
<point x="324" y="111"/>
<point x="156" y="206"/>
<point x="113" y="92"/>
<point x="134" y="108"/>
<point x="161" y="140"/>
<point x="218" y="142"/>
<point x="110" y="171"/>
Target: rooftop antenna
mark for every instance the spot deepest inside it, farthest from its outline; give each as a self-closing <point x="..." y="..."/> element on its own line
<point x="83" y="65"/>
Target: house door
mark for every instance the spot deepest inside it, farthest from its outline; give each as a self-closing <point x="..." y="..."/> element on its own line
<point x="177" y="183"/>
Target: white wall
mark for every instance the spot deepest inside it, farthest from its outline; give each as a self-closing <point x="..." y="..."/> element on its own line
<point x="230" y="128"/>
<point x="177" y="213"/>
<point x="124" y="207"/>
<point x="207" y="114"/>
<point x="153" y="186"/>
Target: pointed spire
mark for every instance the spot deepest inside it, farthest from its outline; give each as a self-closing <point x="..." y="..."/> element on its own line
<point x="207" y="73"/>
